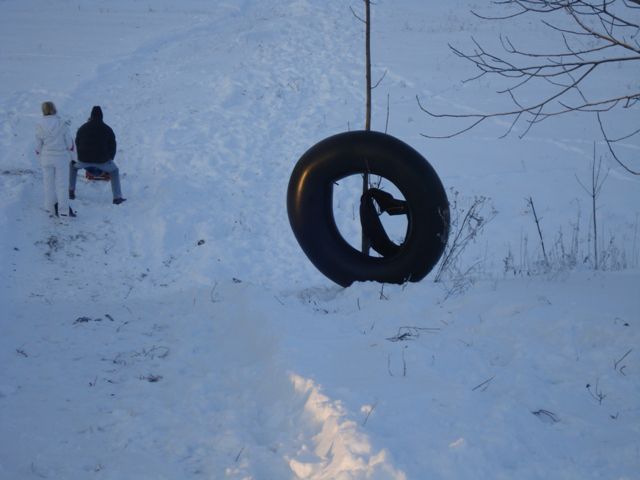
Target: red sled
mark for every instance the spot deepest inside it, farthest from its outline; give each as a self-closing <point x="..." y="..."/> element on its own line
<point x="92" y="173"/>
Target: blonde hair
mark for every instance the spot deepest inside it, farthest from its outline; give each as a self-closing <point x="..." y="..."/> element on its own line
<point x="48" y="108"/>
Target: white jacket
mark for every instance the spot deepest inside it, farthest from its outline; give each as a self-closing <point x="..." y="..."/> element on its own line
<point x="54" y="143"/>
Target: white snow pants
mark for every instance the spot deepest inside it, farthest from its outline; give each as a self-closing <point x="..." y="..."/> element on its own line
<point x="55" y="174"/>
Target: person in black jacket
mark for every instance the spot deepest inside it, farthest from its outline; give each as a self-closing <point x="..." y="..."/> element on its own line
<point x="96" y="147"/>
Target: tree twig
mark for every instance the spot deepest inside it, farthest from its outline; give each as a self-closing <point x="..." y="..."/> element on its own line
<point x="484" y="384"/>
<point x="617" y="362"/>
<point x="535" y="216"/>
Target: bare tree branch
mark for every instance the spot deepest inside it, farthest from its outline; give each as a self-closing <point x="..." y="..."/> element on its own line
<point x="597" y="35"/>
<point x="379" y="80"/>
<point x="610" y="143"/>
<point x="356" y="15"/>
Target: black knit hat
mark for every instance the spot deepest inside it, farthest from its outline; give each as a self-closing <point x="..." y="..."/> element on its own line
<point x="96" y="113"/>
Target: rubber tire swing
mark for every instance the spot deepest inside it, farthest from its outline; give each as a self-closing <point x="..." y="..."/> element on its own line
<point x="310" y="207"/>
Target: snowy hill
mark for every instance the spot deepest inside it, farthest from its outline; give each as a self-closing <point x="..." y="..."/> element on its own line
<point x="184" y="334"/>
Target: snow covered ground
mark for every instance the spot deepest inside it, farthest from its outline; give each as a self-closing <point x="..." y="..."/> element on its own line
<point x="184" y="334"/>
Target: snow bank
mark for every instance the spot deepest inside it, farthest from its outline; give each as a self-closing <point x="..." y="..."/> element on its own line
<point x="341" y="451"/>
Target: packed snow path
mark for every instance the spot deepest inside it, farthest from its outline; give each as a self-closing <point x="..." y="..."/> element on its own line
<point x="216" y="113"/>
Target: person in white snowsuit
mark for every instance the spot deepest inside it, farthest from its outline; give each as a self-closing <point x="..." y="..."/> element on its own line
<point x="55" y="148"/>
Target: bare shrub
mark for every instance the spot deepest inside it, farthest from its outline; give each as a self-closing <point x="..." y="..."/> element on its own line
<point x="469" y="217"/>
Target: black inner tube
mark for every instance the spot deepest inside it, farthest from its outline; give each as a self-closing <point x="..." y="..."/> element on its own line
<point x="310" y="208"/>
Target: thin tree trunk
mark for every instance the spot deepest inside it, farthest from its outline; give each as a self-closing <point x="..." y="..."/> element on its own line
<point x="367" y="36"/>
<point x="366" y="244"/>
<point x="594" y="194"/>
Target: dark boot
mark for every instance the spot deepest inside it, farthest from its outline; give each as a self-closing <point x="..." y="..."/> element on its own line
<point x="71" y="213"/>
<point x="118" y="201"/>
